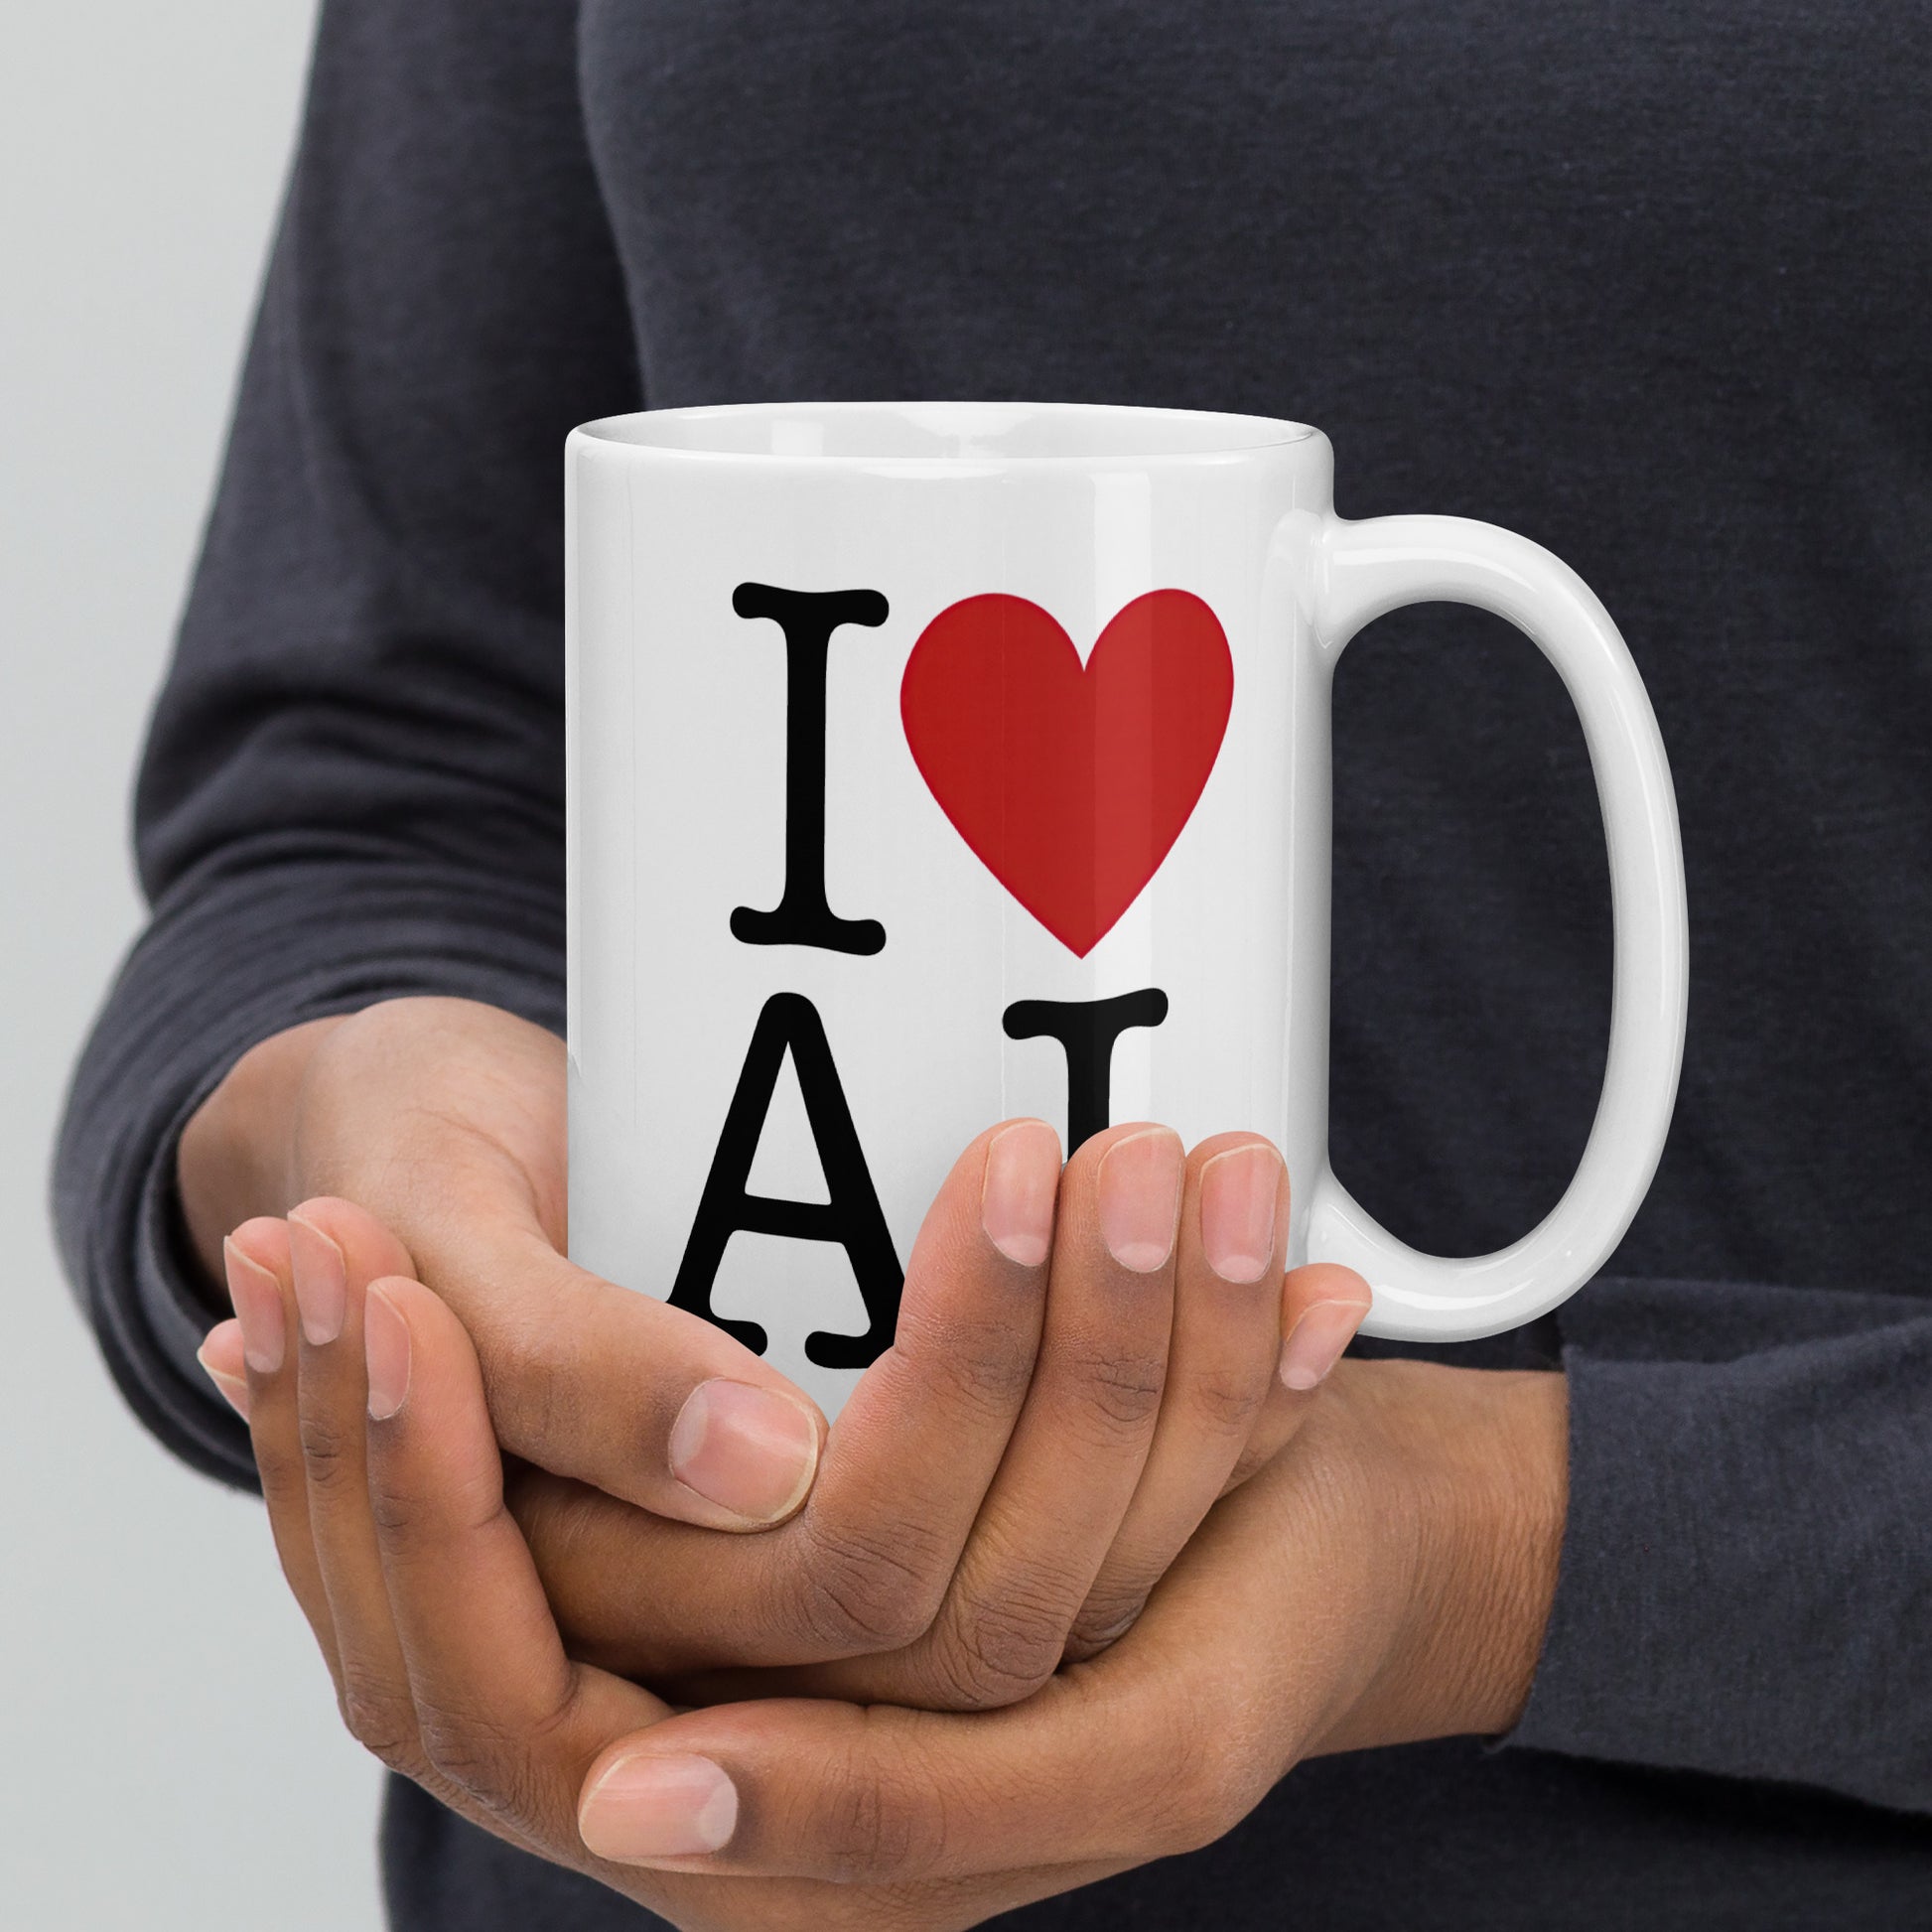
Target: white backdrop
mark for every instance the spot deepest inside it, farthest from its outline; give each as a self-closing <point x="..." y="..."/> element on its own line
<point x="169" y="1750"/>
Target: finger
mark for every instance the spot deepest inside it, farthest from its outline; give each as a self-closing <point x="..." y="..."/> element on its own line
<point x="336" y="1250"/>
<point x="223" y="1361"/>
<point x="1079" y="1451"/>
<point x="865" y="1566"/>
<point x="926" y="1432"/>
<point x="256" y="1262"/>
<point x="885" y="1796"/>
<point x="1221" y="1366"/>
<point x="1159" y="1747"/>
<point x="1323" y="1304"/>
<point x="508" y="1726"/>
<point x="505" y="1720"/>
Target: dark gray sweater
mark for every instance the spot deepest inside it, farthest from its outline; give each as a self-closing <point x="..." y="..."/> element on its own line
<point x="1648" y="284"/>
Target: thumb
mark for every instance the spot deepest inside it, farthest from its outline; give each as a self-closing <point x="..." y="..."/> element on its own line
<point x="649" y="1403"/>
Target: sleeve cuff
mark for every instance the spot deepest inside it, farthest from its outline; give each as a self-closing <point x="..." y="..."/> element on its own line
<point x="1747" y="1572"/>
<point x="249" y="956"/>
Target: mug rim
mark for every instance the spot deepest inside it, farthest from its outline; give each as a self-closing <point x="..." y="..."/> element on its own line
<point x="958" y="437"/>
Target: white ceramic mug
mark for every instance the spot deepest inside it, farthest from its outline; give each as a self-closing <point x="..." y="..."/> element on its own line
<point x="935" y="764"/>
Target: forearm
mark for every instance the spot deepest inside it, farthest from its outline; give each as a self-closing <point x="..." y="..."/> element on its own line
<point x="1466" y="1471"/>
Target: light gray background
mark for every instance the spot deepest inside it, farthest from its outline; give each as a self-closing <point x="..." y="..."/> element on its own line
<point x="170" y="1754"/>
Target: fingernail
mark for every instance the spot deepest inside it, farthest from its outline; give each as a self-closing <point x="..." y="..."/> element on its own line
<point x="224" y="1342"/>
<point x="747" y="1449"/>
<point x="645" y="1808"/>
<point x="385" y="1347"/>
<point x="257" y="1298"/>
<point x="320" y="1280"/>
<point x="1023" y="1174"/>
<point x="1239" y="1194"/>
<point x="1316" y="1342"/>
<point x="1139" y="1189"/>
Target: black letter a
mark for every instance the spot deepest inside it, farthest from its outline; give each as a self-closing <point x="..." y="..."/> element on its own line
<point x="852" y="1217"/>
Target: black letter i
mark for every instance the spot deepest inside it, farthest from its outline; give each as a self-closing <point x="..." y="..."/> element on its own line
<point x="803" y="917"/>
<point x="1086" y="1031"/>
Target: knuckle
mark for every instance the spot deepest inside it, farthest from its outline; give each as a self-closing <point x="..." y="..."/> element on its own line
<point x="1118" y="1389"/>
<point x="284" y="1484"/>
<point x="382" y="1722"/>
<point x="997" y="1652"/>
<point x="1225" y="1399"/>
<point x="867" y="1589"/>
<point x="409" y="1521"/>
<point x="481" y="1759"/>
<point x="1104" y="1620"/>
<point x="330" y="1455"/>
<point x="872" y="1826"/>
<point x="987" y="1365"/>
<point x="395" y="1513"/>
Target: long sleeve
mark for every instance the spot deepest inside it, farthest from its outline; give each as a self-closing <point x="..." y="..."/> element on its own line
<point x="353" y="784"/>
<point x="1587" y="307"/>
<point x="1747" y="1574"/>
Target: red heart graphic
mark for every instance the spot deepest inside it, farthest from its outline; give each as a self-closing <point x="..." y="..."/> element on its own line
<point x="1071" y="784"/>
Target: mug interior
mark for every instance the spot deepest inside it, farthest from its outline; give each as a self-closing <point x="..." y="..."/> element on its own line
<point x="871" y="432"/>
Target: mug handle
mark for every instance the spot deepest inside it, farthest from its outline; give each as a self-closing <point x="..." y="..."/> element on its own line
<point x="1365" y="570"/>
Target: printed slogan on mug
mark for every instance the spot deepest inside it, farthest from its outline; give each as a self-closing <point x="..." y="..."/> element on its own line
<point x="1070" y="783"/>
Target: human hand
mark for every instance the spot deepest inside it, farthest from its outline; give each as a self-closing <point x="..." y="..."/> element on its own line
<point x="445" y="1121"/>
<point x="1386" y="1579"/>
<point x="1004" y="1486"/>
<point x="1082" y="1364"/>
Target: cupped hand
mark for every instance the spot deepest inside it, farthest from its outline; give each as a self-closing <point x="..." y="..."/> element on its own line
<point x="1387" y="1578"/>
<point x="1082" y="1364"/>
<point x="444" y="1120"/>
<point x="1076" y="1375"/>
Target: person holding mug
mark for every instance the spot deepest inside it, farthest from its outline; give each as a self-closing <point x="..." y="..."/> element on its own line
<point x="1613" y="1618"/>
